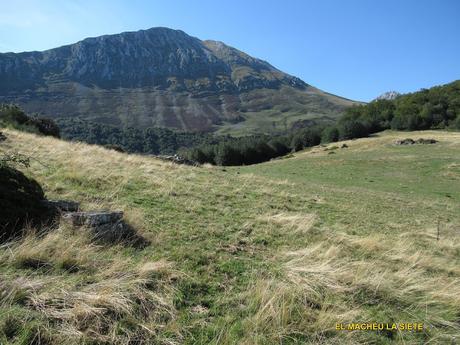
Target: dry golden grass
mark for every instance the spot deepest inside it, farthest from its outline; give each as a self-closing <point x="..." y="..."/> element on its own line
<point x="244" y="256"/>
<point x="89" y="293"/>
<point x="301" y="223"/>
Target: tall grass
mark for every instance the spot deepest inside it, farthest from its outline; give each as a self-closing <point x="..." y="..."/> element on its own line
<point x="277" y="253"/>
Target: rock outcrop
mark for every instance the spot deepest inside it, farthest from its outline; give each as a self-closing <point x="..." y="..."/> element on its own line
<point x="390" y="95"/>
<point x="106" y="226"/>
<point x="63" y="205"/>
<point x="409" y="141"/>
<point x="22" y="204"/>
<point x="178" y="160"/>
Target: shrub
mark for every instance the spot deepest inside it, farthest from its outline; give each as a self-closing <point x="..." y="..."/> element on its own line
<point x="456" y="123"/>
<point x="12" y="115"/>
<point x="352" y="129"/>
<point x="46" y="127"/>
<point x="226" y="154"/>
<point x="279" y="146"/>
<point x="330" y="134"/>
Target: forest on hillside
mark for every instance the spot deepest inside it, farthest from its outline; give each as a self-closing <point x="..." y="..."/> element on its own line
<point x="150" y="140"/>
<point x="434" y="108"/>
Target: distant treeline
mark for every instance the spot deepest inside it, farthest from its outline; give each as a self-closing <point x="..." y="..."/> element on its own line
<point x="435" y="108"/>
<point x="151" y="140"/>
<point x="257" y="149"/>
<point x="14" y="117"/>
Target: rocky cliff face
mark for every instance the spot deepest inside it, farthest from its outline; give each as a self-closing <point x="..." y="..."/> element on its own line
<point x="155" y="77"/>
<point x="390" y="95"/>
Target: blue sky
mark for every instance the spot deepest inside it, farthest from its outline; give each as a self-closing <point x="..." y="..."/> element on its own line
<point x="356" y="48"/>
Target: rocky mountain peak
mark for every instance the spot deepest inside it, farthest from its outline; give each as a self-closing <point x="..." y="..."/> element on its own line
<point x="155" y="77"/>
<point x="390" y="95"/>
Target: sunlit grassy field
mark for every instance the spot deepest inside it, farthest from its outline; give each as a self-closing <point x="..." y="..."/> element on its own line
<point x="275" y="253"/>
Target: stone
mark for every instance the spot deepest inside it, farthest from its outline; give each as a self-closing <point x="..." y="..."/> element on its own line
<point x="113" y="232"/>
<point x="406" y="141"/>
<point x="63" y="205"/>
<point x="426" y="141"/>
<point x="106" y="227"/>
<point x="178" y="160"/>
<point x="2" y="137"/>
<point x="93" y="219"/>
<point x="409" y="141"/>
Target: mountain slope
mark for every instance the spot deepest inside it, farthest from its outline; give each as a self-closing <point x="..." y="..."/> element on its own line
<point x="266" y="254"/>
<point x="160" y="77"/>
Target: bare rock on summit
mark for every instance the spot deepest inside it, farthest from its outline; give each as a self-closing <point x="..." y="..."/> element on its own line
<point x="390" y="95"/>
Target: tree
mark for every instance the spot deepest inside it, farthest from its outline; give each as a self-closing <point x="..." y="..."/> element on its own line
<point x="46" y="127"/>
<point x="151" y="141"/>
<point x="352" y="129"/>
<point x="456" y="123"/>
<point x="330" y="134"/>
<point x="227" y="155"/>
<point x="297" y="142"/>
<point x="279" y="146"/>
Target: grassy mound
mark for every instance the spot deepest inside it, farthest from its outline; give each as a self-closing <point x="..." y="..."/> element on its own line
<point x="275" y="253"/>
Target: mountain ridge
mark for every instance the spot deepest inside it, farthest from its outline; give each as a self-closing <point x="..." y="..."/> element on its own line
<point x="159" y="77"/>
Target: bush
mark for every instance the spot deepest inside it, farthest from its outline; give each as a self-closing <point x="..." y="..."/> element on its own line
<point x="12" y="115"/>
<point x="456" y="123"/>
<point x="330" y="135"/>
<point x="352" y="129"/>
<point x="279" y="146"/>
<point x="226" y="154"/>
<point x="46" y="127"/>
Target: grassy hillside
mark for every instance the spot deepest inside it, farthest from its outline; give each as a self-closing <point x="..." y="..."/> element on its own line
<point x="275" y="253"/>
<point x="278" y="111"/>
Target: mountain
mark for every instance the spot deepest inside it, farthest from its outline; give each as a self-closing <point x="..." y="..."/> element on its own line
<point x="162" y="78"/>
<point x="390" y="95"/>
